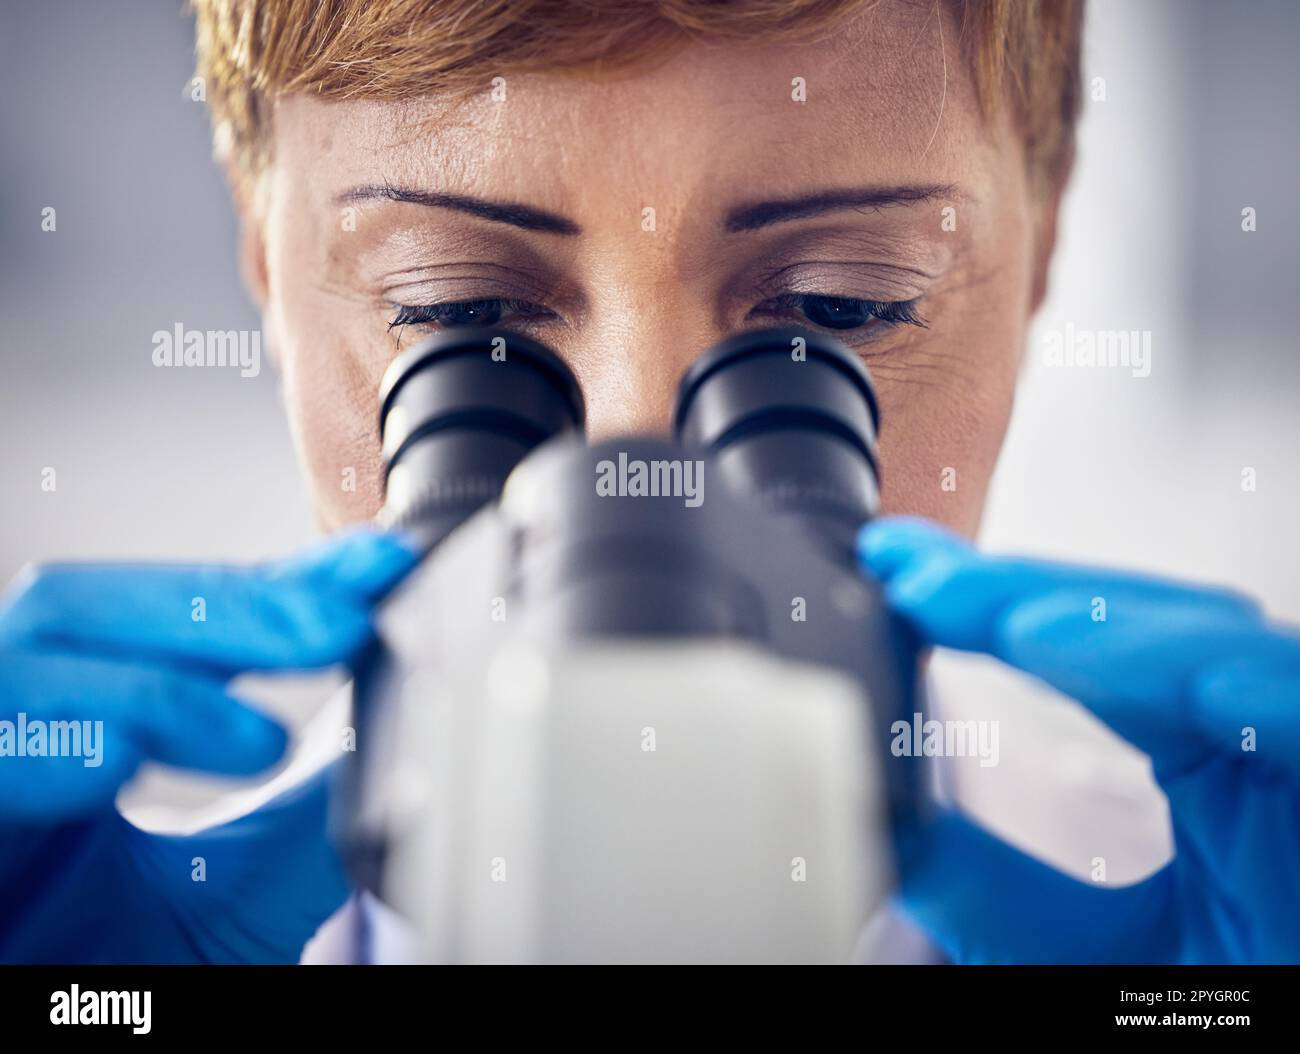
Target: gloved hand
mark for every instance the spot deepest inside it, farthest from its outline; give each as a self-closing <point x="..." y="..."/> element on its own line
<point x="125" y="646"/>
<point x="1194" y="677"/>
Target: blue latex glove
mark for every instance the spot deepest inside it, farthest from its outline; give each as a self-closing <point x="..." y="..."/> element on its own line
<point x="1182" y="672"/>
<point x="121" y="644"/>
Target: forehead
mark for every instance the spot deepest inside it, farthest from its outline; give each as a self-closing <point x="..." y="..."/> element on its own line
<point x="889" y="99"/>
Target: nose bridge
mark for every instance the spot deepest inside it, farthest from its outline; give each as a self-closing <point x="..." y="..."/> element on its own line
<point x="633" y="354"/>
<point x="653" y="307"/>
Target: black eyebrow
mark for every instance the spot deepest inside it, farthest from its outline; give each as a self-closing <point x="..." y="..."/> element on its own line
<point x="523" y="216"/>
<point x="766" y="213"/>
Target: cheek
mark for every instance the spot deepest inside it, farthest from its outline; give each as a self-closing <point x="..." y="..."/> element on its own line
<point x="330" y="367"/>
<point x="938" y="451"/>
<point x="945" y="404"/>
<point x="331" y="401"/>
<point x="943" y="424"/>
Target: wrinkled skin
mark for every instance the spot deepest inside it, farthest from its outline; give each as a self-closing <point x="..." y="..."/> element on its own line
<point x="890" y="103"/>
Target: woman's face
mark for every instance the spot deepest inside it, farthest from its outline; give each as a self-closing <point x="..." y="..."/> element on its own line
<point x="632" y="223"/>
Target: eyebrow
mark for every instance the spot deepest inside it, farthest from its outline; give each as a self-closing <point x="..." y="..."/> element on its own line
<point x="765" y="213"/>
<point x="523" y="216"/>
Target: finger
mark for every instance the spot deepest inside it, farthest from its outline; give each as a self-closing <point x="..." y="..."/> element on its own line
<point x="889" y="544"/>
<point x="75" y="728"/>
<point x="1250" y="706"/>
<point x="308" y="612"/>
<point x="43" y="789"/>
<point x="1124" y="645"/>
<point x="957" y="597"/>
<point x="1135" y="668"/>
<point x="362" y="563"/>
<point x="273" y="874"/>
<point x="983" y="901"/>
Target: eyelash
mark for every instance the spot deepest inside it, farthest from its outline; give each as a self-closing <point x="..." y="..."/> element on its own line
<point x="890" y="312"/>
<point x="438" y="314"/>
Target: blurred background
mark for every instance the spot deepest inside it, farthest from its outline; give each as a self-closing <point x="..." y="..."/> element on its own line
<point x="1197" y="123"/>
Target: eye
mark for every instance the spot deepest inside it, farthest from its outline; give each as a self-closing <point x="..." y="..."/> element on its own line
<point x="490" y="312"/>
<point x="839" y="312"/>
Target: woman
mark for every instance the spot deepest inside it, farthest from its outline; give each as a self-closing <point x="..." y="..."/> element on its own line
<point x="630" y="183"/>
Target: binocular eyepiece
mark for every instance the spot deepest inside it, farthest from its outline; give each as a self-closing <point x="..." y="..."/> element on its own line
<point x="458" y="413"/>
<point x="785" y="416"/>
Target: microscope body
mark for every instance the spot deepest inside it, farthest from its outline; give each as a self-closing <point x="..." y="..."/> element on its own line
<point x="638" y="708"/>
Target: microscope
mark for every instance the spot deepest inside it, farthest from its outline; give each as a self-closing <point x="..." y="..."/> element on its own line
<point x="634" y="705"/>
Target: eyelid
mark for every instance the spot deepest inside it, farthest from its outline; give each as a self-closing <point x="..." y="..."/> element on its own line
<point x="850" y="280"/>
<point x="457" y="288"/>
<point x="516" y="311"/>
<point x="477" y="282"/>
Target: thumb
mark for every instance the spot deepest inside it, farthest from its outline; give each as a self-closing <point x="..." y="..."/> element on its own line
<point x="983" y="901"/>
<point x="271" y="877"/>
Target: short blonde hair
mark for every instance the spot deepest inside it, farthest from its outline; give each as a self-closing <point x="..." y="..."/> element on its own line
<point x="1025" y="52"/>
